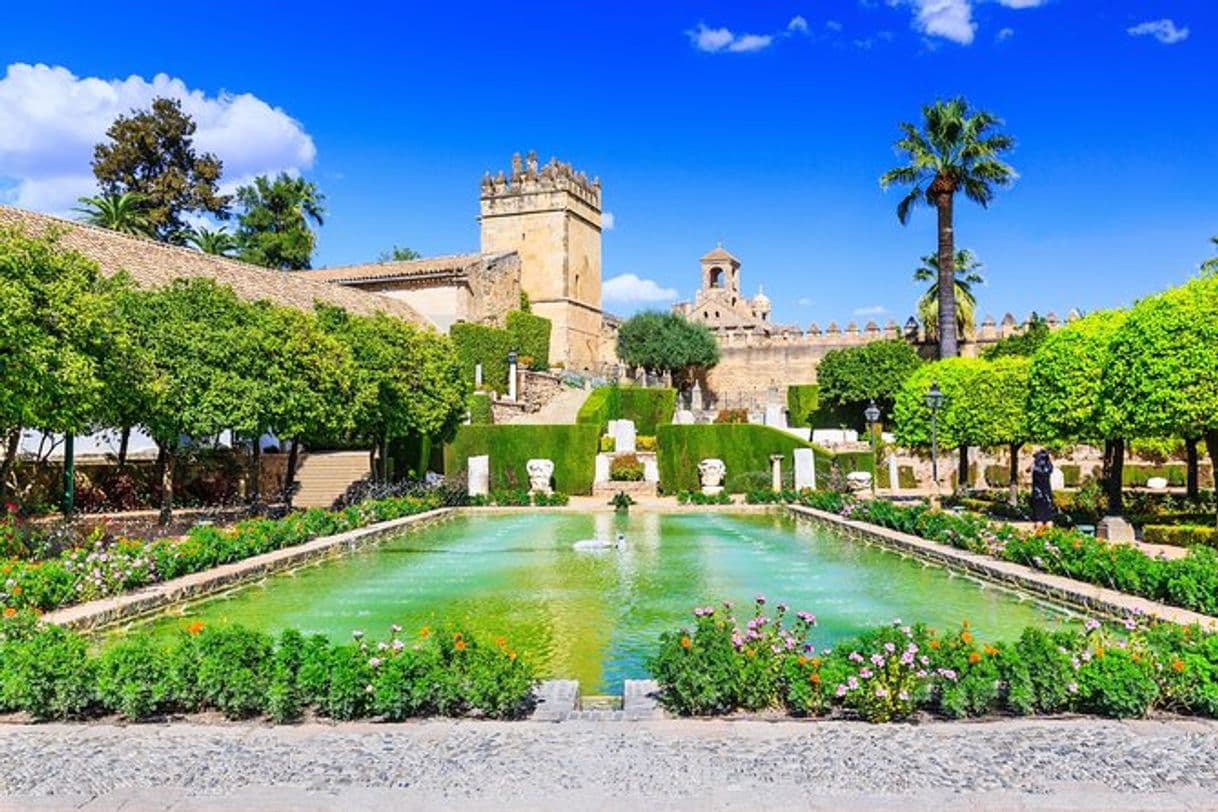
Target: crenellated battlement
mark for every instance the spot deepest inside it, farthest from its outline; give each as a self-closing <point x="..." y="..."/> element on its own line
<point x="527" y="178"/>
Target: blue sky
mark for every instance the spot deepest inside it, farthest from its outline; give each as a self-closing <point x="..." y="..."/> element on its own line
<point x="763" y="125"/>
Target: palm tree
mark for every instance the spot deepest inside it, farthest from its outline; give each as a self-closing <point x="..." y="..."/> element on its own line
<point x="124" y="212"/>
<point x="1211" y="264"/>
<point x="218" y="243"/>
<point x="954" y="151"/>
<point x="967" y="271"/>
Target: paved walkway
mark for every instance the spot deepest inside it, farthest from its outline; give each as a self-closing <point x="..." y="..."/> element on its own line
<point x="559" y="411"/>
<point x="1079" y="764"/>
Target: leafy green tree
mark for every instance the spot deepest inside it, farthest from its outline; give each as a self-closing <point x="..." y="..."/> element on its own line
<point x="1066" y="398"/>
<point x="273" y="228"/>
<point x="913" y="416"/>
<point x="1161" y="377"/>
<point x="968" y="273"/>
<point x="398" y="254"/>
<point x="667" y="343"/>
<point x="125" y="213"/>
<point x="302" y="382"/>
<point x="56" y="328"/>
<point x="1024" y="344"/>
<point x="217" y="242"/>
<point x="954" y="150"/>
<point x="850" y="378"/>
<point x="992" y="410"/>
<point x="407" y="381"/>
<point x="200" y="348"/>
<point x="151" y="153"/>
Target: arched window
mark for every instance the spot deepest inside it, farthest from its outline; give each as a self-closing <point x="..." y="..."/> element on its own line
<point x="716" y="277"/>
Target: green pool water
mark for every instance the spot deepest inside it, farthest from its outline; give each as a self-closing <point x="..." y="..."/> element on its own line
<point x="595" y="616"/>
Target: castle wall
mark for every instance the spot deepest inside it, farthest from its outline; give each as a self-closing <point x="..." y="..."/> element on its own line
<point x="444" y="305"/>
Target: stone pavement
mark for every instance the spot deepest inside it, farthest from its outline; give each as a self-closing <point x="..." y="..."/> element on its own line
<point x="1048" y="764"/>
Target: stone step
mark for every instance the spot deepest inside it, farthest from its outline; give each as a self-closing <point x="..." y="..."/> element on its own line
<point x="560" y="700"/>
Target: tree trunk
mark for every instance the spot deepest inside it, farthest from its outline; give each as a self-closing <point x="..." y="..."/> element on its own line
<point x="289" y="477"/>
<point x="948" y="345"/>
<point x="165" y="461"/>
<point x="255" y="489"/>
<point x="1194" y="485"/>
<point x="1114" y="468"/>
<point x="124" y="440"/>
<point x="11" y="444"/>
<point x="1014" y="496"/>
<point x="962" y="482"/>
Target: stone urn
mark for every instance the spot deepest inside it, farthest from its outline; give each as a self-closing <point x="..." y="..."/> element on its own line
<point x="859" y="481"/>
<point x="540" y="474"/>
<point x="711" y="473"/>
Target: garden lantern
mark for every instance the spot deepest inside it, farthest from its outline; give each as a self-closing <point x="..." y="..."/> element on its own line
<point x="934" y="401"/>
<point x="872" y="415"/>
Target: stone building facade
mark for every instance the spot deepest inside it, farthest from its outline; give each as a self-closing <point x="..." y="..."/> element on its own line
<point x="551" y="217"/>
<point x="759" y="358"/>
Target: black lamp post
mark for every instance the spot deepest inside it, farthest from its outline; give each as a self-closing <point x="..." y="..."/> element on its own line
<point x="934" y="401"/>
<point x="872" y="415"/>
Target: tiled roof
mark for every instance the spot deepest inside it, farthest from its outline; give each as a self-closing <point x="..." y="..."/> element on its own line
<point x="152" y="264"/>
<point x="719" y="255"/>
<point x="372" y="271"/>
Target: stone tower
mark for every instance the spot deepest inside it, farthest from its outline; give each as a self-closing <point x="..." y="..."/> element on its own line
<point x="551" y="216"/>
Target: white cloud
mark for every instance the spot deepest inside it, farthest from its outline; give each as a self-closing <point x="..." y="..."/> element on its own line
<point x="608" y="221"/>
<point x="871" y="310"/>
<point x="1165" y="31"/>
<point x="1022" y="3"/>
<point x="833" y="25"/>
<point x="628" y="288"/>
<point x="714" y="40"/>
<point x="804" y="301"/>
<point x="51" y="119"/>
<point x="798" y="24"/>
<point x="950" y="19"/>
<point x="1004" y="34"/>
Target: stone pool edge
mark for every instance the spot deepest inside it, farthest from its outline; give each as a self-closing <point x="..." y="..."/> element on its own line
<point x="1077" y="594"/>
<point x="105" y="612"/>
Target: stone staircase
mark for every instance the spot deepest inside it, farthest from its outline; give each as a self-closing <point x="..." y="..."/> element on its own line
<point x="324" y="476"/>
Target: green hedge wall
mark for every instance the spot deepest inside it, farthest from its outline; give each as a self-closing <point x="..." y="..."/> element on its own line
<point x="1135" y="476"/>
<point x="480" y="413"/>
<point x="1180" y="535"/>
<point x="804" y="410"/>
<point x="482" y="344"/>
<point x="572" y="448"/>
<point x="648" y="408"/>
<point x="530" y="335"/>
<point x="745" y="449"/>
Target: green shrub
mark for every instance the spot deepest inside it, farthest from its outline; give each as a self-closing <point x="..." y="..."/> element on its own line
<point x="572" y="448"/>
<point x="1117" y="682"/>
<point x="285" y="698"/>
<point x="511" y="497"/>
<point x="480" y="409"/>
<point x="555" y="499"/>
<point x="648" y="407"/>
<point x="608" y="444"/>
<point x="133" y="678"/>
<point x="1038" y="671"/>
<point x="529" y="335"/>
<point x="234" y="670"/>
<point x="802" y="401"/>
<point x="1136" y="476"/>
<point x="621" y="501"/>
<point x="745" y="449"/>
<point x="625" y="468"/>
<point x="482" y="344"/>
<point x="48" y="674"/>
<point x="645" y="442"/>
<point x="1180" y="535"/>
<point x="700" y="498"/>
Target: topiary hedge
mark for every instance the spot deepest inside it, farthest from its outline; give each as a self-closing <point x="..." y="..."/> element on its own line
<point x="1185" y="535"/>
<point x="529" y="335"/>
<point x="805" y="411"/>
<point x="649" y="408"/>
<point x="745" y="449"/>
<point x="572" y="448"/>
<point x="486" y="345"/>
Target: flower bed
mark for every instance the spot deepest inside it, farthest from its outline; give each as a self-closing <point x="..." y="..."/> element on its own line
<point x="51" y="673"/>
<point x="99" y="570"/>
<point x="717" y="666"/>
<point x="1190" y="582"/>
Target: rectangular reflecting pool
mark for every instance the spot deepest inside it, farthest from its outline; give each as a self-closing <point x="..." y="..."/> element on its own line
<point x="595" y="615"/>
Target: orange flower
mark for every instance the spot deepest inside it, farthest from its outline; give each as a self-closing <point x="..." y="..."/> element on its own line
<point x="1177" y="666"/>
<point x="686" y="642"/>
<point x="934" y="644"/>
<point x="748" y="652"/>
<point x="457" y="636"/>
<point x="815" y="662"/>
<point x="1099" y="652"/>
<point x="10" y="612"/>
<point x="459" y="645"/>
<point x="990" y="650"/>
<point x="974" y="657"/>
<point x="814" y="679"/>
<point x="511" y="655"/>
<point x="424" y="632"/>
<point x="966" y="637"/>
<point x="17" y="590"/>
<point x="802" y="660"/>
<point x="501" y="642"/>
<point x="195" y="628"/>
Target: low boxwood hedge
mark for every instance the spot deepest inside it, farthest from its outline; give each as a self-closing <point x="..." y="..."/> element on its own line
<point x="1180" y="535"/>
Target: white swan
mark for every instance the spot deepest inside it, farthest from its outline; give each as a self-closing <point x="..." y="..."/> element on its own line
<point x="601" y="544"/>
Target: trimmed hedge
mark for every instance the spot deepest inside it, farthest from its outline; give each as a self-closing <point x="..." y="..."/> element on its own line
<point x="745" y="449"/>
<point x="804" y="410"/>
<point x="1136" y="476"/>
<point x="572" y="448"/>
<point x="1185" y="535"/>
<point x="649" y="408"/>
<point x="905" y="477"/>
<point x="480" y="413"/>
<point x="530" y="335"/>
